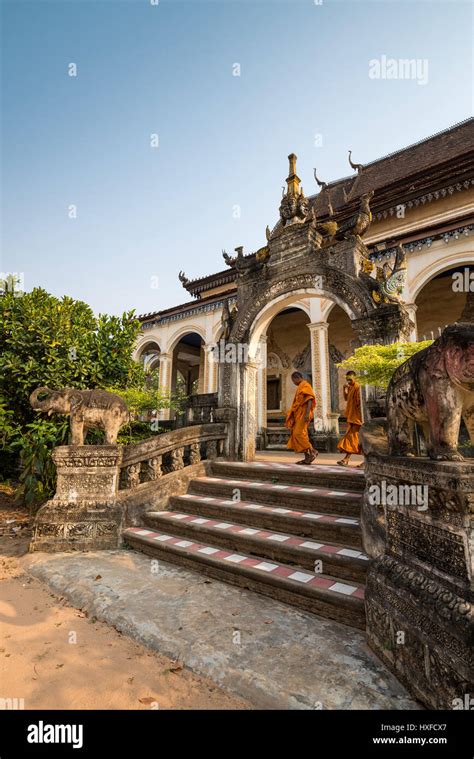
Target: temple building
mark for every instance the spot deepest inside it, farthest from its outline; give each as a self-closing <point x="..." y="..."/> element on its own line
<point x="421" y="198"/>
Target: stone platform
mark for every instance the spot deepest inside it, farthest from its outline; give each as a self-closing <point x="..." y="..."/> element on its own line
<point x="274" y="656"/>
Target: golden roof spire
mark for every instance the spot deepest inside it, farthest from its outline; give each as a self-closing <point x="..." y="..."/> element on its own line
<point x="293" y="180"/>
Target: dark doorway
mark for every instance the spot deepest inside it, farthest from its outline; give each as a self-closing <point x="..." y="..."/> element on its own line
<point x="273" y="393"/>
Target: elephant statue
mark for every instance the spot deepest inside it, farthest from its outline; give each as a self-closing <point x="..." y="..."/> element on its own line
<point x="88" y="409"/>
<point x="434" y="388"/>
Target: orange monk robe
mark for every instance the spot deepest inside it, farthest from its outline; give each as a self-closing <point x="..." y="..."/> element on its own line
<point x="295" y="419"/>
<point x="350" y="441"/>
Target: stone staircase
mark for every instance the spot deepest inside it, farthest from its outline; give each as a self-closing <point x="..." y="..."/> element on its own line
<point x="287" y="531"/>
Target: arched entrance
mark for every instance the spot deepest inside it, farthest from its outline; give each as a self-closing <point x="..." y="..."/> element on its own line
<point x="148" y="353"/>
<point x="303" y="259"/>
<point x="187" y="374"/>
<point x="438" y="303"/>
<point x="241" y="387"/>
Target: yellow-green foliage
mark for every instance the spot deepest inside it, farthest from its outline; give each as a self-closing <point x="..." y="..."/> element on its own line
<point x="147" y="400"/>
<point x="375" y="364"/>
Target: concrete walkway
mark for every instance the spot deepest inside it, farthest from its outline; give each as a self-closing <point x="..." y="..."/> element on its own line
<point x="257" y="648"/>
<point x="290" y="457"/>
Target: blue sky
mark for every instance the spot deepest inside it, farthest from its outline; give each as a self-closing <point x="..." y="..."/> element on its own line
<point x="144" y="213"/>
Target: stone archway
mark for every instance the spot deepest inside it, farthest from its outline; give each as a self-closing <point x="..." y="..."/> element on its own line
<point x="302" y="258"/>
<point x="238" y="386"/>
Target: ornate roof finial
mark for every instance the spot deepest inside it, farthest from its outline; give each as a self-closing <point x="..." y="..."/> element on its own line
<point x="228" y="259"/>
<point x="183" y="278"/>
<point x="293" y="181"/>
<point x="320" y="184"/>
<point x="358" y="166"/>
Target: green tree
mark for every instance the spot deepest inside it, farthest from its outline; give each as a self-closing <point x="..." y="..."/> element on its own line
<point x="57" y="342"/>
<point x="375" y="364"/>
<point x="61" y="343"/>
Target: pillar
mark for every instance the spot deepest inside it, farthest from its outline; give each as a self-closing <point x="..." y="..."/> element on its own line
<point x="262" y="384"/>
<point x="166" y="365"/>
<point x="320" y="371"/>
<point x="201" y="386"/>
<point x="248" y="411"/>
<point x="412" y="309"/>
<point x="210" y="369"/>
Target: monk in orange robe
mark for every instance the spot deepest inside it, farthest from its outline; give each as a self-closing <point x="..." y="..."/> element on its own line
<point x="350" y="442"/>
<point x="299" y="417"/>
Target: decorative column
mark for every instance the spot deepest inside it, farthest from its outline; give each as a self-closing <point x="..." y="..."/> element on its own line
<point x="166" y="365"/>
<point x="248" y="411"/>
<point x="210" y="369"/>
<point x="228" y="376"/>
<point x="412" y="309"/>
<point x="261" y="391"/>
<point x="320" y="371"/>
<point x="201" y="387"/>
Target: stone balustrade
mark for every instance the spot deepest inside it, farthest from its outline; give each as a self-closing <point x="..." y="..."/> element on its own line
<point x="151" y="459"/>
<point x="102" y="488"/>
<point x="198" y="409"/>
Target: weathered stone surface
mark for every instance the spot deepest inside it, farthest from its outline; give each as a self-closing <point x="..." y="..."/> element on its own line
<point x="153" y="496"/>
<point x="434" y="388"/>
<point x="87" y="409"/>
<point x="83" y="514"/>
<point x="419" y="592"/>
<point x="100" y="489"/>
<point x="298" y="264"/>
<point x="272" y="655"/>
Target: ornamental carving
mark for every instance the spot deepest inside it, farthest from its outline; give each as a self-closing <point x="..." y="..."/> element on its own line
<point x="195" y="453"/>
<point x="341" y="285"/>
<point x="132" y="475"/>
<point x="87" y="461"/>
<point x="447" y="604"/>
<point x="154" y="468"/>
<point x="397" y="610"/>
<point x="428" y="542"/>
<point x="211" y="449"/>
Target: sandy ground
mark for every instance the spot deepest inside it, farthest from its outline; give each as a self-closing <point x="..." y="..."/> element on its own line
<point x="102" y="669"/>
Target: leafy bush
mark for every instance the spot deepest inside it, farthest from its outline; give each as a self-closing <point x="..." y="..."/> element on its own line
<point x="59" y="342"/>
<point x="9" y="432"/>
<point x="38" y="476"/>
<point x="375" y="364"/>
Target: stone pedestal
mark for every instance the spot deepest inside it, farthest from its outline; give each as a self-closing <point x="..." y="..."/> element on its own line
<point x="419" y="593"/>
<point x="83" y="515"/>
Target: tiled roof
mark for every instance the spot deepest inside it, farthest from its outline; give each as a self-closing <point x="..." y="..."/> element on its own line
<point x="188" y="305"/>
<point x="446" y="154"/>
<point x="424" y="157"/>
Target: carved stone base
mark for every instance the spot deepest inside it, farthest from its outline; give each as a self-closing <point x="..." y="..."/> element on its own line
<point x="423" y="632"/>
<point x="82" y="526"/>
<point x="84" y="515"/>
<point x="419" y="593"/>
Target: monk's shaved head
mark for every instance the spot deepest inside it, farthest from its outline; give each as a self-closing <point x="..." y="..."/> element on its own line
<point x="296" y="378"/>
